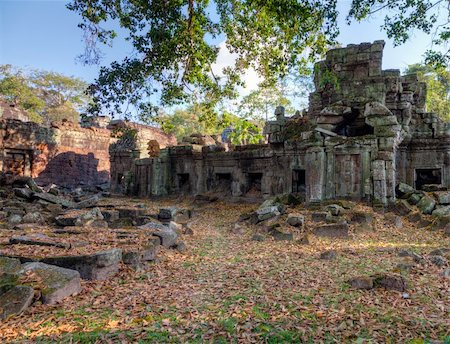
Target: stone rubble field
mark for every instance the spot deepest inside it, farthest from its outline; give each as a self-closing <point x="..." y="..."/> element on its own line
<point x="96" y="268"/>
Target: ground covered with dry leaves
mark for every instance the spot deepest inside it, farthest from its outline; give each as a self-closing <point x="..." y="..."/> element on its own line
<point x="227" y="288"/>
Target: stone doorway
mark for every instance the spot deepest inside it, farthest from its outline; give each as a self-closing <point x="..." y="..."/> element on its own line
<point x="17" y="162"/>
<point x="299" y="181"/>
<point x="348" y="176"/>
<point x="426" y="176"/>
<point x="184" y="184"/>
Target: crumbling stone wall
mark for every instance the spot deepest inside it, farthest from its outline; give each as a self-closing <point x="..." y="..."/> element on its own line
<point x="366" y="130"/>
<point x="64" y="153"/>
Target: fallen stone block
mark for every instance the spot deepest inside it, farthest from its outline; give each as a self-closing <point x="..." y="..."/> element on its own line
<point x="338" y="231"/>
<point x="15" y="300"/>
<point x="98" y="266"/>
<point x="167" y="214"/>
<point x="328" y="255"/>
<point x="9" y="266"/>
<point x="362" y="282"/>
<point x="402" y="207"/>
<point x="38" y="239"/>
<point x="426" y="205"/>
<point x="319" y="216"/>
<point x="55" y="283"/>
<point x="267" y="213"/>
<point x="390" y="281"/>
<point x="89" y="202"/>
<point x="443" y="197"/>
<point x="441" y="211"/>
<point x="110" y="215"/>
<point x="24" y="193"/>
<point x="281" y="236"/>
<point x="53" y="199"/>
<point x="79" y="218"/>
<point x="295" y="220"/>
<point x="403" y="189"/>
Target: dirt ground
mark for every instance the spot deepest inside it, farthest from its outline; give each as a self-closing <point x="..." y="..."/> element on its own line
<point x="227" y="288"/>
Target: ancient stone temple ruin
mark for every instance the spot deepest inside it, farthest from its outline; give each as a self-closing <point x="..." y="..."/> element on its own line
<point x="366" y="130"/>
<point x="65" y="153"/>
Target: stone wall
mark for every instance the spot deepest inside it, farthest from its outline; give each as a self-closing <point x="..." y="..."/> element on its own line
<point x="365" y="131"/>
<point x="64" y="153"/>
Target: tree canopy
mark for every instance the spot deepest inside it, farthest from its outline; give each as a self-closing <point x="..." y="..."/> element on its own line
<point x="438" y="87"/>
<point x="176" y="43"/>
<point x="44" y="96"/>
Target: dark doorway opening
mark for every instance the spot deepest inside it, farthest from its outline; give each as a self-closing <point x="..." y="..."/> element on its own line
<point x="353" y="125"/>
<point x="254" y="184"/>
<point x="184" y="184"/>
<point x="425" y="176"/>
<point x="299" y="181"/>
<point x="223" y="182"/>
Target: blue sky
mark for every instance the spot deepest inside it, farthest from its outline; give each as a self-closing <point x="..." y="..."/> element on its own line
<point x="44" y="34"/>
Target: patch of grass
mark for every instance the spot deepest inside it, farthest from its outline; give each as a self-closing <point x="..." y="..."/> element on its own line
<point x="259" y="313"/>
<point x="229" y="324"/>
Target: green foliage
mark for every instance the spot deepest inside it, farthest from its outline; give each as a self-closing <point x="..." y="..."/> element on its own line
<point x="184" y="122"/>
<point x="328" y="79"/>
<point x="261" y="103"/>
<point x="44" y="96"/>
<point x="405" y="16"/>
<point x="438" y="87"/>
<point x="245" y="132"/>
<point x="176" y="43"/>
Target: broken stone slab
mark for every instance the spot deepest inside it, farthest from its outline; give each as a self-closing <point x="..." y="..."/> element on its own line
<point x="55" y="283"/>
<point x="427" y="204"/>
<point x="37" y="239"/>
<point x="97" y="266"/>
<point x="24" y="193"/>
<point x="433" y="187"/>
<point x="362" y="282"/>
<point x="335" y="209"/>
<point x="89" y="202"/>
<point x="443" y="197"/>
<point x="77" y="218"/>
<point x="319" y="216"/>
<point x="110" y="215"/>
<point x="328" y="255"/>
<point x="415" y="198"/>
<point x="15" y="300"/>
<point x="267" y="213"/>
<point x="26" y="181"/>
<point x="404" y="189"/>
<point x="442" y="211"/>
<point x="281" y="236"/>
<point x="337" y="230"/>
<point x="14" y="219"/>
<point x="361" y="217"/>
<point x="295" y="220"/>
<point x="33" y="217"/>
<point x="395" y="220"/>
<point x="402" y="207"/>
<point x="137" y="257"/>
<point x="9" y="266"/>
<point x="168" y="237"/>
<point x="53" y="199"/>
<point x="130" y="213"/>
<point x="390" y="281"/>
<point x="167" y="214"/>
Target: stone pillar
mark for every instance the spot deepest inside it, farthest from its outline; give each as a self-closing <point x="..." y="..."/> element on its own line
<point x="315" y="181"/>
<point x="379" y="181"/>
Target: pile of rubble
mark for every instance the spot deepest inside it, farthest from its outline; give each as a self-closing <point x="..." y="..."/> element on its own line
<point x="59" y="237"/>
